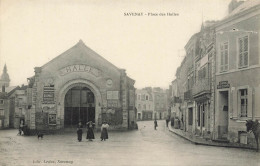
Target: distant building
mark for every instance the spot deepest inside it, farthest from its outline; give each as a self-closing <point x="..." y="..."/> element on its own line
<point x="18" y="106"/>
<point x="144" y="104"/>
<point x="4" y="101"/>
<point x="4" y="80"/>
<point x="4" y="110"/>
<point x="151" y="103"/>
<point x="160" y="103"/>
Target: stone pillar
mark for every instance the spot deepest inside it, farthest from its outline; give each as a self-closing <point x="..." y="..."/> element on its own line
<point x="212" y="97"/>
<point x="124" y="98"/>
<point x="37" y="71"/>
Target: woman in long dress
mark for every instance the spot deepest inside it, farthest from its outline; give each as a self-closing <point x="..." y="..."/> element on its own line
<point x="79" y="131"/>
<point x="104" y="134"/>
<point x="90" y="132"/>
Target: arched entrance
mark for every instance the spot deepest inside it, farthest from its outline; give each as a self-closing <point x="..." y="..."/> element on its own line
<point x="79" y="105"/>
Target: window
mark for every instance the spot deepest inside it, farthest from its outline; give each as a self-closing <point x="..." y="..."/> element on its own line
<point x="243" y="52"/>
<point x="139" y="106"/>
<point x="20" y="111"/>
<point x="144" y="107"/>
<point x="202" y="73"/>
<point x="143" y="97"/>
<point x="203" y="115"/>
<point x="2" y="112"/>
<point x="190" y="116"/>
<point x="139" y="97"/>
<point x="198" y="115"/>
<point x="243" y="102"/>
<point x="139" y="116"/>
<point x="224" y="57"/>
<point x="147" y="97"/>
<point x="1" y="101"/>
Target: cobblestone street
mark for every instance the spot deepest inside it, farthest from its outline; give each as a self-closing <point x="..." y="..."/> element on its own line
<point x="144" y="146"/>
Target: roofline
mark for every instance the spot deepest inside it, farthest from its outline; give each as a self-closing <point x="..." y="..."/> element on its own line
<point x="191" y="38"/>
<point x="238" y="15"/>
<point x="82" y="45"/>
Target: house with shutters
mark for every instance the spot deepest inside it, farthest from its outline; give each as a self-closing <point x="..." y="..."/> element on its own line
<point x="237" y="72"/>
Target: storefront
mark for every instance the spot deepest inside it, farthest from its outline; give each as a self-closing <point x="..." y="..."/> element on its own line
<point x="80" y="85"/>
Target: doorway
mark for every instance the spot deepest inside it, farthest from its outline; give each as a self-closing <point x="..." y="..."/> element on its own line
<point x="223" y="115"/>
<point x="79" y="105"/>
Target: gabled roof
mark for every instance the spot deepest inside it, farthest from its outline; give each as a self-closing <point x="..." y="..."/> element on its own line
<point x="81" y="45"/>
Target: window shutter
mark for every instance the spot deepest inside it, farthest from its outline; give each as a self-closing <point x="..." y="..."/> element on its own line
<point x="235" y="104"/>
<point x="231" y="104"/>
<point x="256" y="102"/>
<point x="250" y="102"/>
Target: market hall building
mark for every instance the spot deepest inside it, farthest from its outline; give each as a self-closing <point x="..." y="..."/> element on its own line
<point x="80" y="85"/>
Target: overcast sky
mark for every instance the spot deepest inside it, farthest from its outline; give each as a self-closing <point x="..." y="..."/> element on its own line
<point x="150" y="48"/>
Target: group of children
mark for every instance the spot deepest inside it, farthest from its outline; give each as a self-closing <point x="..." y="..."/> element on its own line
<point x="90" y="131"/>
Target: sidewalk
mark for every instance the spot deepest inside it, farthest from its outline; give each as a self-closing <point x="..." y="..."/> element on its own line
<point x="198" y="140"/>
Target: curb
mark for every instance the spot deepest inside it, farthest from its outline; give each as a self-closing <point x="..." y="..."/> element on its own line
<point x="210" y="143"/>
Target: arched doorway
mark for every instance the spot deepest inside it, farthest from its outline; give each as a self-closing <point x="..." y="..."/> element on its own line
<point x="79" y="105"/>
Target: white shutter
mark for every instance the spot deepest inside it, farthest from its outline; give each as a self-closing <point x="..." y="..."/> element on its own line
<point x="256" y="103"/>
<point x="231" y="104"/>
<point x="250" y="102"/>
<point x="235" y="104"/>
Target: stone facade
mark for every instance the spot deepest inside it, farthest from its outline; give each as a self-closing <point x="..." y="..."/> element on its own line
<point x="4" y="110"/>
<point x="160" y="103"/>
<point x="113" y="98"/>
<point x="144" y="104"/>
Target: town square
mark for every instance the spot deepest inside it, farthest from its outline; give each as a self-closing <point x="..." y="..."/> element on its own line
<point x="130" y="82"/>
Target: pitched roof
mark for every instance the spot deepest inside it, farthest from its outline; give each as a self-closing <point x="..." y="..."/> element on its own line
<point x="85" y="48"/>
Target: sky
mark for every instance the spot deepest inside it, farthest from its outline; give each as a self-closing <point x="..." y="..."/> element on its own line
<point x="150" y="48"/>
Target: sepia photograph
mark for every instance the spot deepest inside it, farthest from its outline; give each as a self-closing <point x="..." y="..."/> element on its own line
<point x="129" y="82"/>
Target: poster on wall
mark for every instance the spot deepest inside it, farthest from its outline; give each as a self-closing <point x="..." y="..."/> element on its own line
<point x="48" y="95"/>
<point x="52" y="119"/>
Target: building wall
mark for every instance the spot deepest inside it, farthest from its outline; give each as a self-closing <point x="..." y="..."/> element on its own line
<point x="160" y="103"/>
<point x="18" y="108"/>
<point x="80" y="66"/>
<point x="144" y="104"/>
<point x="4" y="116"/>
<point x="236" y="78"/>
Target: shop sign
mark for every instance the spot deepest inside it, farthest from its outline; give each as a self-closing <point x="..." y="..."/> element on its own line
<point x="80" y="68"/>
<point x="223" y="84"/>
<point x="112" y="95"/>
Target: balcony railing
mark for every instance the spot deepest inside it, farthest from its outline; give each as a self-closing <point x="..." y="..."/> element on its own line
<point x="201" y="87"/>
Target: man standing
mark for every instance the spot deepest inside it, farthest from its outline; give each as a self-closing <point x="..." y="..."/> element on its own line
<point x="155" y="124"/>
<point x="167" y="121"/>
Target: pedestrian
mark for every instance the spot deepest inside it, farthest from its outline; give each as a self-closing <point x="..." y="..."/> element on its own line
<point x="104" y="134"/>
<point x="21" y="128"/>
<point x="90" y="132"/>
<point x="155" y="124"/>
<point x="167" y="121"/>
<point x="79" y="131"/>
